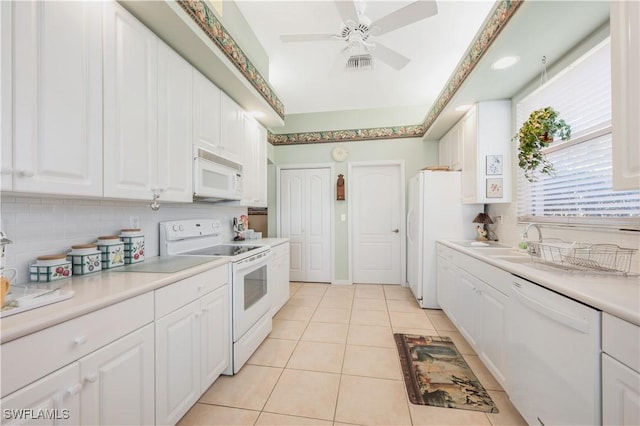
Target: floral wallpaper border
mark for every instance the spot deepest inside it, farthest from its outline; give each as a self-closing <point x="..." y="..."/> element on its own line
<point x="206" y="19"/>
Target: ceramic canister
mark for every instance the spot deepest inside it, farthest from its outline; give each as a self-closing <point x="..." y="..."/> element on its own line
<point x="85" y="259"/>
<point x="112" y="249"/>
<point x="50" y="268"/>
<point x="133" y="245"/>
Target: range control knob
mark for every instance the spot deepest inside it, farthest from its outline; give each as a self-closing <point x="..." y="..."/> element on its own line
<point x="181" y="228"/>
<point x="175" y="228"/>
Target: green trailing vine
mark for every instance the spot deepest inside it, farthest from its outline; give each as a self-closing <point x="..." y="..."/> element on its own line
<point x="536" y="134"/>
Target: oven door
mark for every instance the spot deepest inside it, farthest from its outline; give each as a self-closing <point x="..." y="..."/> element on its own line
<point x="250" y="296"/>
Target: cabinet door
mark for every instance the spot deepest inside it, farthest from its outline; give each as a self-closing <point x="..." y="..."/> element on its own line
<point x="492" y="333"/>
<point x="215" y="336"/>
<point x="177" y="363"/>
<point x="469" y="156"/>
<point x="620" y="393"/>
<point x="206" y="114"/>
<point x="57" y="98"/>
<point x="260" y="164"/>
<point x="625" y="93"/>
<point x="56" y="395"/>
<point x="466" y="307"/>
<point x="130" y="105"/>
<point x="175" y="105"/>
<point x="447" y="278"/>
<point x="232" y="130"/>
<point x="444" y="156"/>
<point x="6" y="96"/>
<point x="118" y="381"/>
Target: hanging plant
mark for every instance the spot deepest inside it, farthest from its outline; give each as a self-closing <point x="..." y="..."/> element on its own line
<point x="536" y="134"/>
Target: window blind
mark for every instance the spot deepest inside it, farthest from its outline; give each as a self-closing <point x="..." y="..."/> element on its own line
<point x="580" y="192"/>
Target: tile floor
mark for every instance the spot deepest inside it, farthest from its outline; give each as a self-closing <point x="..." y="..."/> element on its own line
<point x="331" y="360"/>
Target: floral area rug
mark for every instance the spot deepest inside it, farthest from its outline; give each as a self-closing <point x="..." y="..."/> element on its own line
<point x="436" y="374"/>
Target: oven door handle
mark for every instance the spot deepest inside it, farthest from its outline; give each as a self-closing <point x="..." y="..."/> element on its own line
<point x="253" y="262"/>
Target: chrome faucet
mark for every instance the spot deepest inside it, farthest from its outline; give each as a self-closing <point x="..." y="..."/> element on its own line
<point x="525" y="234"/>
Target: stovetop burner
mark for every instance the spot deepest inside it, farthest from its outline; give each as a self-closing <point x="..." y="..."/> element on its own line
<point x="222" y="250"/>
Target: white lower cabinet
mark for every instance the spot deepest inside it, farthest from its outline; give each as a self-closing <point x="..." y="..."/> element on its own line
<point x="620" y="372"/>
<point x="192" y="341"/>
<point x="56" y="396"/>
<point x="278" y="277"/>
<point x="118" y="382"/>
<point x="473" y="295"/>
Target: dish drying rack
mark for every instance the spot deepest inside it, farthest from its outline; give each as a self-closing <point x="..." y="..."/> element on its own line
<point x="608" y="258"/>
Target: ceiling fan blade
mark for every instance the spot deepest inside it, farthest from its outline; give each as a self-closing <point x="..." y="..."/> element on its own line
<point x="388" y="56"/>
<point x="289" y="38"/>
<point x="409" y="14"/>
<point x="347" y="10"/>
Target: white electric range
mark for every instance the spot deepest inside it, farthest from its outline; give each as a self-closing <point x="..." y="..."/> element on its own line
<point x="250" y="302"/>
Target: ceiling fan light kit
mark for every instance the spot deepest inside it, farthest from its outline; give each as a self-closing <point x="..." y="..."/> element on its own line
<point x="360" y="33"/>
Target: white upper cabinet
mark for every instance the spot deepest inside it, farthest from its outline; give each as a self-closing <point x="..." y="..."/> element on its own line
<point x="206" y="114"/>
<point x="450" y="148"/>
<point x="232" y="129"/>
<point x="130" y="105"/>
<point x="147" y="113"/>
<point x="254" y="178"/>
<point x="175" y="106"/>
<point x="625" y="86"/>
<point x="55" y="145"/>
<point x="486" y="153"/>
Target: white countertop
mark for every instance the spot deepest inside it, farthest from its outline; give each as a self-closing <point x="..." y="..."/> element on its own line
<point x="263" y="241"/>
<point x="616" y="294"/>
<point x="93" y="292"/>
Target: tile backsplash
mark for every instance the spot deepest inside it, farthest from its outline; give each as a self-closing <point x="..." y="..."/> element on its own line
<point x="48" y="225"/>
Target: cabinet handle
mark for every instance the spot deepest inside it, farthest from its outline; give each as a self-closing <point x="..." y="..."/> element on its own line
<point x="200" y="287"/>
<point x="91" y="378"/>
<point x="80" y="340"/>
<point x="197" y="315"/>
<point x="75" y="389"/>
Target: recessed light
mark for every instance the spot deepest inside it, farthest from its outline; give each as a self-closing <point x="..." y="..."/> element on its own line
<point x="463" y="108"/>
<point x="505" y="62"/>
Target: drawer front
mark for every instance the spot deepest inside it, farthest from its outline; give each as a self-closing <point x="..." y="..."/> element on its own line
<point x="621" y="340"/>
<point x="495" y="277"/>
<point x="28" y="358"/>
<point x="176" y="295"/>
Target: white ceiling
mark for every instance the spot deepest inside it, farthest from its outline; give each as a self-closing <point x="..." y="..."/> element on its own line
<point x="305" y="75"/>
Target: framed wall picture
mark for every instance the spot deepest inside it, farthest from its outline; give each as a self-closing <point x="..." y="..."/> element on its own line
<point x="494" y="165"/>
<point x="494" y="188"/>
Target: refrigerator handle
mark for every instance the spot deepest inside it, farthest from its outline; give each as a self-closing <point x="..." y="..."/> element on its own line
<point x="409" y="222"/>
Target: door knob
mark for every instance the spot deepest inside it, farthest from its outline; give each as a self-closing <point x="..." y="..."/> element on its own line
<point x="396" y="231"/>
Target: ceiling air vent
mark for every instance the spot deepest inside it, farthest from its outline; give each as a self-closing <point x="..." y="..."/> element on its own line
<point x="359" y="63"/>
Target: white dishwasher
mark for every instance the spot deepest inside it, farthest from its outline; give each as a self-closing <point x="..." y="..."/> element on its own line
<point x="554" y="357"/>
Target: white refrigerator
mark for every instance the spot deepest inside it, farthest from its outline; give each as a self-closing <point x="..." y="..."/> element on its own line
<point x="435" y="213"/>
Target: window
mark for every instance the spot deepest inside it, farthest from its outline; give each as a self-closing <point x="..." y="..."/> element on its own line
<point x="581" y="191"/>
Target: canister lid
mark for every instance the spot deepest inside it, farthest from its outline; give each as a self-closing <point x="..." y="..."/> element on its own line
<point x="52" y="256"/>
<point x="109" y="237"/>
<point x="131" y="230"/>
<point x="83" y="246"/>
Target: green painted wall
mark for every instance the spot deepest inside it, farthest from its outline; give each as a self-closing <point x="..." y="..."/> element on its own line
<point x="415" y="153"/>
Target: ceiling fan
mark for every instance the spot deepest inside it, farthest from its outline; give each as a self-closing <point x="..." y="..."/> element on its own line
<point x="360" y="33"/>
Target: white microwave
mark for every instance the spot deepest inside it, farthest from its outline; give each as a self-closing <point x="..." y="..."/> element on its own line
<point x="215" y="178"/>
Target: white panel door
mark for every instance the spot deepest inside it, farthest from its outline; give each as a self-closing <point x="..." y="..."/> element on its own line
<point x="377" y="221"/>
<point x="118" y="381"/>
<point x="57" y="98"/>
<point x="318" y="232"/>
<point x="130" y="105"/>
<point x="58" y="392"/>
<point x="215" y="333"/>
<point x="305" y="218"/>
<point x="175" y="106"/>
<point x="177" y="363"/>
<point x="206" y="114"/>
<point x="293" y="218"/>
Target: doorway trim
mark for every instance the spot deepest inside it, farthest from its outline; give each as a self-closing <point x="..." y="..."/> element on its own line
<point x="402" y="189"/>
<point x="306" y="166"/>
